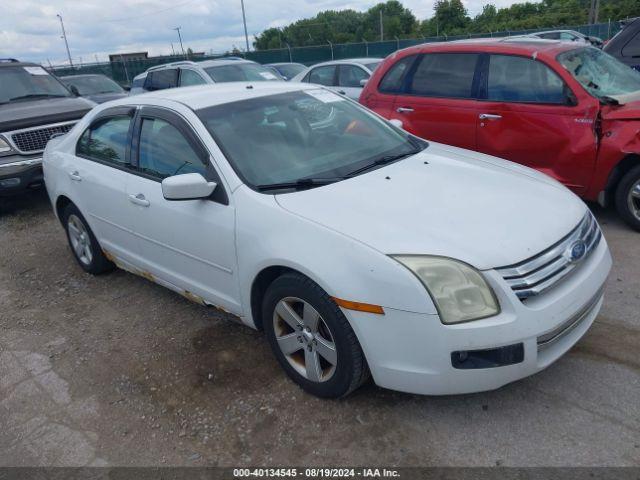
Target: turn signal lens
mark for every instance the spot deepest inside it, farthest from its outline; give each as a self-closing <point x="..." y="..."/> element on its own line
<point x="4" y="146"/>
<point x="360" y="307"/>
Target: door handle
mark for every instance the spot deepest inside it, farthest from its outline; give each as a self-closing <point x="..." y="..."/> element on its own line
<point x="342" y="92"/>
<point x="75" y="176"/>
<point x="404" y="109"/>
<point x="139" y="200"/>
<point x="489" y="116"/>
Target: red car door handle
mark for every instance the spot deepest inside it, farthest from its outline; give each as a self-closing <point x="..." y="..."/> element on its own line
<point x="489" y="116"/>
<point x="404" y="109"/>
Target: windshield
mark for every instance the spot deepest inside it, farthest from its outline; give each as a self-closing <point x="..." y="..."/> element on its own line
<point x="372" y="66"/>
<point x="290" y="70"/>
<point x="243" y="72"/>
<point x="19" y="83"/>
<point x="599" y="73"/>
<point x="93" y="85"/>
<point x="301" y="135"/>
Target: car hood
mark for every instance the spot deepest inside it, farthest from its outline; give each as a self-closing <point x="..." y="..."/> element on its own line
<point x="449" y="202"/>
<point x="29" y="113"/>
<point x="629" y="108"/>
<point x="105" y="97"/>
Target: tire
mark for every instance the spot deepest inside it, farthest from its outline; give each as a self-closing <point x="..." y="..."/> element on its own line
<point x="83" y="243"/>
<point x="319" y="325"/>
<point x="627" y="198"/>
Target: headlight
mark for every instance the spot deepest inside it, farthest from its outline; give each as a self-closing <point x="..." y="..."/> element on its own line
<point x="4" y="146"/>
<point x="458" y="290"/>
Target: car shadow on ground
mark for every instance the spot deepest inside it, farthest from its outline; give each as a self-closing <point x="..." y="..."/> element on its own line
<point x="33" y="202"/>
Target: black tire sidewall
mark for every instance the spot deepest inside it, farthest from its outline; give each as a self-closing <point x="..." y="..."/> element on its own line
<point x="621" y="196"/>
<point x="292" y="285"/>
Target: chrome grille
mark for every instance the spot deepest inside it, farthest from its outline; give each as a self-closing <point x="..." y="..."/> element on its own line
<point x="35" y="139"/>
<point x="541" y="272"/>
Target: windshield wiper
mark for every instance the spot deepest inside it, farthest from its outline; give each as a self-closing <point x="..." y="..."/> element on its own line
<point x="36" y="95"/>
<point x="299" y="184"/>
<point x="383" y="161"/>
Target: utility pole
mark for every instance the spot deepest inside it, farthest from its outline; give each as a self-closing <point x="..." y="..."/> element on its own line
<point x="244" y="21"/>
<point x="381" y="27"/>
<point x="64" y="35"/>
<point x="173" y="51"/>
<point x="177" y="29"/>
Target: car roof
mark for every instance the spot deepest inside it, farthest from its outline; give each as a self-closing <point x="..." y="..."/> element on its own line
<point x="555" y="31"/>
<point x="278" y="64"/>
<point x="360" y="61"/>
<point x="204" y="64"/>
<point x="84" y="75"/>
<point x="523" y="45"/>
<point x="203" y="96"/>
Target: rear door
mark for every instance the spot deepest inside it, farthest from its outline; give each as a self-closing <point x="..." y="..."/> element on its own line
<point x="161" y="79"/>
<point x="325" y="75"/>
<point x="190" y="78"/>
<point x="381" y="98"/>
<point x="99" y="174"/>
<point x="528" y="116"/>
<point x="439" y="102"/>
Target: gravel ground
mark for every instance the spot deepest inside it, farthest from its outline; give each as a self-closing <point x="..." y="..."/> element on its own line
<point x="115" y="370"/>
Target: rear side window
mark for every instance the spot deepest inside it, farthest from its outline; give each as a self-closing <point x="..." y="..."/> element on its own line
<point x="161" y="79"/>
<point x="106" y="140"/>
<point x="521" y="79"/>
<point x="393" y="80"/>
<point x="351" y="76"/>
<point x="164" y="151"/>
<point x="323" y="75"/>
<point x="444" y="75"/>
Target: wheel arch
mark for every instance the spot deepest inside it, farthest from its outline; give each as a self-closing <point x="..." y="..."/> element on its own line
<point x="61" y="203"/>
<point x="628" y="162"/>
<point x="259" y="286"/>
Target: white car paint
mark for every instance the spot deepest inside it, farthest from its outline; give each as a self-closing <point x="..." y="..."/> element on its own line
<point x="443" y="201"/>
<point x="351" y="92"/>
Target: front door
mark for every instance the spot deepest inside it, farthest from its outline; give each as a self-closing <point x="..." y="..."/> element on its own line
<point x="189" y="244"/>
<point x="350" y="79"/>
<point x="530" y="117"/>
<point x="439" y="103"/>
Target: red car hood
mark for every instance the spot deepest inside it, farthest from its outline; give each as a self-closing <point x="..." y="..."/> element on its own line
<point x="626" y="111"/>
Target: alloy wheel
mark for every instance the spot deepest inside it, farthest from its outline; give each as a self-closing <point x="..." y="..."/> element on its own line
<point x="80" y="240"/>
<point x="305" y="339"/>
<point x="633" y="199"/>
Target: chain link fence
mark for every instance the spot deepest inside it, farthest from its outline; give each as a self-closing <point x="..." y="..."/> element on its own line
<point x="123" y="70"/>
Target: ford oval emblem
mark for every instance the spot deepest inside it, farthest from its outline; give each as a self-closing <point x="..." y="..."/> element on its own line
<point x="576" y="251"/>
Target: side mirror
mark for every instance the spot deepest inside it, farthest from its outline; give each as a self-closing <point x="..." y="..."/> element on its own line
<point x="363" y="82"/>
<point x="396" y="123"/>
<point x="188" y="186"/>
<point x="127" y="88"/>
<point x="74" y="90"/>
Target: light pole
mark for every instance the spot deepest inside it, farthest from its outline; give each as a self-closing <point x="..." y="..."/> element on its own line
<point x="180" y="38"/>
<point x="64" y="35"/>
<point x="244" y="21"/>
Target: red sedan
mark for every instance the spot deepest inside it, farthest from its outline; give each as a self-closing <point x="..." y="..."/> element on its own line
<point x="570" y="111"/>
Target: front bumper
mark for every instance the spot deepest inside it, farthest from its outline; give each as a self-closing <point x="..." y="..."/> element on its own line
<point x="20" y="173"/>
<point x="412" y="352"/>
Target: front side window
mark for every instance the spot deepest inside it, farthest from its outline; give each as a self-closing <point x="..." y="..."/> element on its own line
<point x="290" y="70"/>
<point x="189" y="78"/>
<point x="447" y="75"/>
<point x="323" y="75"/>
<point x="351" y="76"/>
<point x="243" y="72"/>
<point x="161" y="79"/>
<point x="299" y="135"/>
<point x="393" y="80"/>
<point x="520" y="79"/>
<point x="106" y="140"/>
<point x="164" y="151"/>
<point x="599" y="73"/>
<point x="28" y="83"/>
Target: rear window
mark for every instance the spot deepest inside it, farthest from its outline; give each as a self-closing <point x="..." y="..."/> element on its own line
<point x="393" y="80"/>
<point x="444" y="75"/>
<point x="244" y="72"/>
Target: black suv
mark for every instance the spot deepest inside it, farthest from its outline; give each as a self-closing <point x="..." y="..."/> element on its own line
<point x="34" y="106"/>
<point x="625" y="46"/>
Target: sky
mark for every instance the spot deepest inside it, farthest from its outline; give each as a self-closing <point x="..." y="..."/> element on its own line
<point x="30" y="29"/>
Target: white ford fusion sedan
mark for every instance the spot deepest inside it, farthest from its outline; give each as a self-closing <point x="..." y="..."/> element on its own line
<point x="358" y="249"/>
